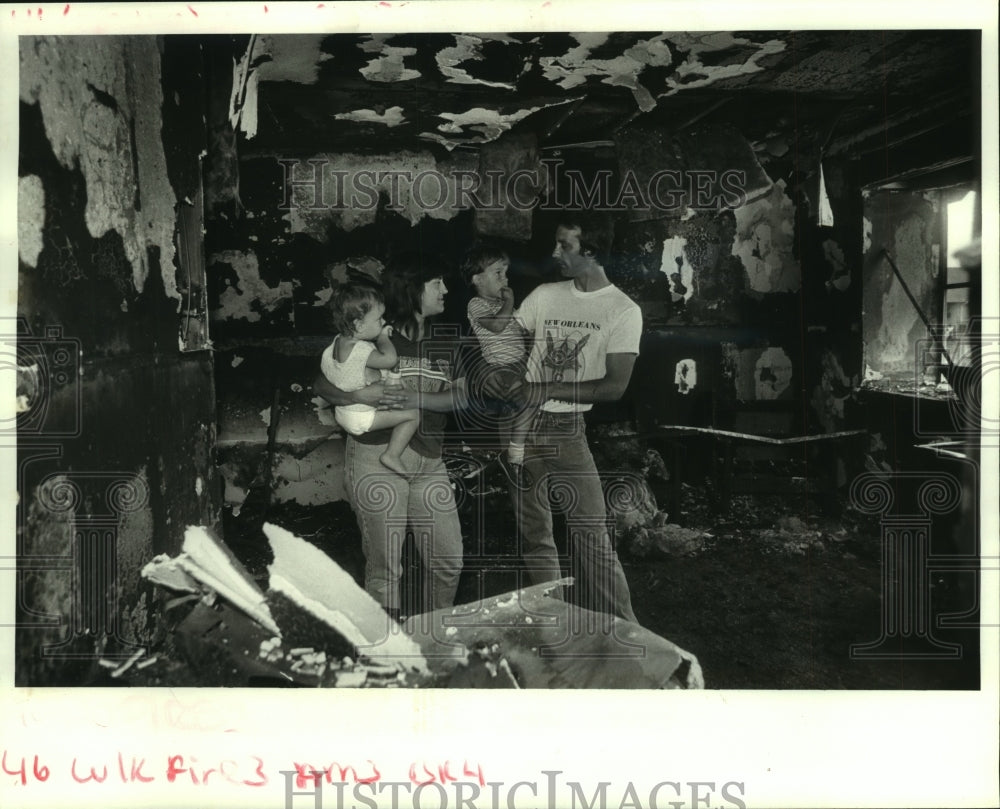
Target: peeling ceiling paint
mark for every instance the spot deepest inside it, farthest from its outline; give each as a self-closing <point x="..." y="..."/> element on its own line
<point x="613" y="75"/>
<point x="573" y="68"/>
<point x="389" y="67"/>
<point x="491" y="124"/>
<point x="295" y="58"/>
<point x="30" y="218"/>
<point x="390" y="117"/>
<point x="693" y="73"/>
<point x="467" y="48"/>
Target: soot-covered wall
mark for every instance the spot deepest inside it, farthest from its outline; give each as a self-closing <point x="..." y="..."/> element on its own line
<point x="116" y="431"/>
<point x="752" y="311"/>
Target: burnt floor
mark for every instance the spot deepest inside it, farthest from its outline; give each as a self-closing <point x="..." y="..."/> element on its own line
<point x="771" y="595"/>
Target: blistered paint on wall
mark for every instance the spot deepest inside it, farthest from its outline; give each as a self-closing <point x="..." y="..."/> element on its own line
<point x="685" y="375"/>
<point x="350" y="184"/>
<point x="694" y="73"/>
<point x="764" y="242"/>
<point x="101" y="105"/>
<point x="677" y="268"/>
<point x="772" y="374"/>
<point x="840" y="277"/>
<point x="575" y="66"/>
<point x="136" y="528"/>
<point x="251" y="295"/>
<point x="341" y="272"/>
<point x="30" y="218"/>
<point x="829" y="395"/>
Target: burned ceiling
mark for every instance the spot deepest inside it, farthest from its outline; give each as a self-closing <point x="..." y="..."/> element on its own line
<point x="830" y="90"/>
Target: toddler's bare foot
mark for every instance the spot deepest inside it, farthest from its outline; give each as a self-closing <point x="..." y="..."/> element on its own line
<point x="393" y="462"/>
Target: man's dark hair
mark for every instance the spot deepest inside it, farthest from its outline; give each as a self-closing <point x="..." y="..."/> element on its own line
<point x="595" y="236"/>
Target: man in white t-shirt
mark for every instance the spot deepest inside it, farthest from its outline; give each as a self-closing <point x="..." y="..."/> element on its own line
<point x="585" y="340"/>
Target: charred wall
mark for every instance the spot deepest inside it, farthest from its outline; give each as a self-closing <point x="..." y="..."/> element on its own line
<point x="117" y="430"/>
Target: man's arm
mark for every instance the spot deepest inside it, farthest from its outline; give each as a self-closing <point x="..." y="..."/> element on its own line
<point x="609" y="388"/>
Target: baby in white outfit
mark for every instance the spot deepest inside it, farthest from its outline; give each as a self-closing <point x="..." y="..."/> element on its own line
<point x="359" y="355"/>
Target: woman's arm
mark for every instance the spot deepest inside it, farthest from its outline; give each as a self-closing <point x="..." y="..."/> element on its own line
<point x="374" y="395"/>
<point x="455" y="398"/>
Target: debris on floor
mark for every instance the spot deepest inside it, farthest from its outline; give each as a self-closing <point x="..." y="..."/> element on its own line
<point x="666" y="539"/>
<point x="312" y="580"/>
<point x="209" y="562"/>
<point x="315" y="627"/>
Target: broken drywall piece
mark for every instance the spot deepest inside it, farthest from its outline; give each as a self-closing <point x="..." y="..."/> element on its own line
<point x="208" y="560"/>
<point x="311" y="579"/>
<point x="166" y="572"/>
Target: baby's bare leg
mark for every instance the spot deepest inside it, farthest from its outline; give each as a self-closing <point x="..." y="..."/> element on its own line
<point x="404" y="427"/>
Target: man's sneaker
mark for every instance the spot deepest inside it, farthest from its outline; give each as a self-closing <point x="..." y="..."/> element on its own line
<point x="519" y="477"/>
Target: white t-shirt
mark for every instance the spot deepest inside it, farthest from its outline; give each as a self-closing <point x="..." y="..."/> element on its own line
<point x="574" y="331"/>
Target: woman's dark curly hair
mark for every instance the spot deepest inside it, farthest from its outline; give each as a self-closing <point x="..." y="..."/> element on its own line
<point x="403" y="284"/>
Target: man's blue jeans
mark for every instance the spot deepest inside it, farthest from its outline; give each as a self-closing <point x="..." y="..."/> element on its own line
<point x="562" y="469"/>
